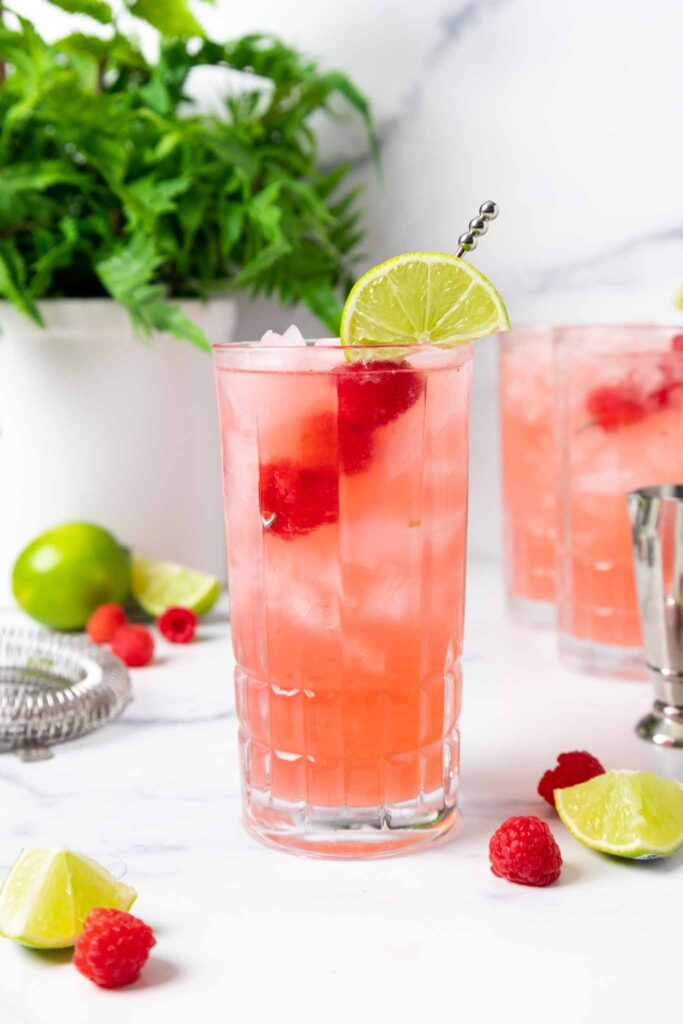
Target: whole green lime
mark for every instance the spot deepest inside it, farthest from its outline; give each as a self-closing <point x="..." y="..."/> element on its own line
<point x="67" y="572"/>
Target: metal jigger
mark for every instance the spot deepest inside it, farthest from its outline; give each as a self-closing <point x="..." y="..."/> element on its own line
<point x="657" y="530"/>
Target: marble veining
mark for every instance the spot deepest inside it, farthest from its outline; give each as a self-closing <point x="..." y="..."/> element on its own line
<point x="610" y="264"/>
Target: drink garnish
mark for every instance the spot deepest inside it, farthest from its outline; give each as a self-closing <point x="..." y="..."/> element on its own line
<point x="297" y="498"/>
<point x="414" y="299"/>
<point x="425" y="298"/>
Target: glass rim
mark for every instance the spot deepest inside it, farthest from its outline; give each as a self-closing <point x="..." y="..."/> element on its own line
<point x="621" y="327"/>
<point x="336" y="346"/>
<point x="255" y="356"/>
<point x="525" y="325"/>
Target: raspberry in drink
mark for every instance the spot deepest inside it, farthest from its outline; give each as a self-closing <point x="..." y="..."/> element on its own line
<point x="620" y="424"/>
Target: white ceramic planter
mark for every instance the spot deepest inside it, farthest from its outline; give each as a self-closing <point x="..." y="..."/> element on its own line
<point x="96" y="424"/>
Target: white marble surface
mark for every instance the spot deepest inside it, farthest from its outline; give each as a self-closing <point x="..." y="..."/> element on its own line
<point x="248" y="934"/>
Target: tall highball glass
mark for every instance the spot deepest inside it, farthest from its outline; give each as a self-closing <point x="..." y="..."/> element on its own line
<point x="345" y="495"/>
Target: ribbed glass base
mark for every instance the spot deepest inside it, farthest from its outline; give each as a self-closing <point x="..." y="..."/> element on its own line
<point x="348" y="833"/>
<point x="602" y="659"/>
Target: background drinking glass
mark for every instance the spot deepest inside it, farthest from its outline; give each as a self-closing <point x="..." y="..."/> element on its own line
<point x="620" y="427"/>
<point x="346" y="499"/>
<point x="527" y="412"/>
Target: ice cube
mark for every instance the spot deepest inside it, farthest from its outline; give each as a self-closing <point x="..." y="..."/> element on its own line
<point x="292" y="336"/>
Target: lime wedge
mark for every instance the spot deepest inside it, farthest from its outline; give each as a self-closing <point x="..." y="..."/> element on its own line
<point x="422" y="297"/>
<point x="629" y="814"/>
<point x="161" y="585"/>
<point x="48" y="894"/>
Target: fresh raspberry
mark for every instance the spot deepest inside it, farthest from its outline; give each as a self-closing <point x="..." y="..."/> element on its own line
<point x="356" y="448"/>
<point x="677" y="343"/>
<point x="524" y="850"/>
<point x="113" y="947"/>
<point x="300" y="497"/>
<point x="573" y="768"/>
<point x="104" y="622"/>
<point x="612" y="406"/>
<point x="370" y="395"/>
<point x="670" y="381"/>
<point x="178" y="625"/>
<point x="327" y="440"/>
<point x="134" y="645"/>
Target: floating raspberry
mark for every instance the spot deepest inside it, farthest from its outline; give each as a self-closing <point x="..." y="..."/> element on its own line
<point x="370" y="395"/>
<point x="572" y="768"/>
<point x="134" y="645"/>
<point x="524" y="850"/>
<point x="329" y="441"/>
<point x="612" y="406"/>
<point x="104" y="622"/>
<point x="178" y="625"/>
<point x="677" y="343"/>
<point x="670" y="380"/>
<point x="356" y="448"/>
<point x="113" y="947"/>
<point x="299" y="497"/>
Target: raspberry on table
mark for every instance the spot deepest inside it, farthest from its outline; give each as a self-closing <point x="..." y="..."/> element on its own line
<point x="104" y="622"/>
<point x="370" y="395"/>
<point x="572" y="768"/>
<point x="113" y="947"/>
<point x="523" y="850"/>
<point x="299" y="497"/>
<point x="178" y="625"/>
<point x="134" y="645"/>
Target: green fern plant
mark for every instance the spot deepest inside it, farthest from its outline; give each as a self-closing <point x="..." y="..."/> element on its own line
<point x="113" y="184"/>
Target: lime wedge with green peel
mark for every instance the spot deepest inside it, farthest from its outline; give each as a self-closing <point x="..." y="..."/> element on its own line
<point x="629" y="814"/>
<point x="48" y="894"/>
<point x="161" y="585"/>
<point x="420" y="298"/>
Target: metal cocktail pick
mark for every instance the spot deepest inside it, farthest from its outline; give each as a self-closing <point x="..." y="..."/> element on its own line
<point x="469" y="240"/>
<point x="657" y="531"/>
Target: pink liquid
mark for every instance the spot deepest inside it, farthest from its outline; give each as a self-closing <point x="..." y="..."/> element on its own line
<point x="527" y="411"/>
<point x="348" y="635"/>
<point x="622" y="428"/>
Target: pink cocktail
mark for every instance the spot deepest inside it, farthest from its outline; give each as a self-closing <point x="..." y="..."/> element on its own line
<point x="620" y="424"/>
<point x="527" y="433"/>
<point x="346" y="495"/>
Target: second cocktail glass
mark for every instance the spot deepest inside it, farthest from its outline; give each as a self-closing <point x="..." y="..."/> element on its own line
<point x="527" y="434"/>
<point x="620" y="427"/>
<point x="346" y="493"/>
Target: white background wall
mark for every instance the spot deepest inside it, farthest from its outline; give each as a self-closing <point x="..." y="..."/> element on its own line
<point x="567" y="114"/>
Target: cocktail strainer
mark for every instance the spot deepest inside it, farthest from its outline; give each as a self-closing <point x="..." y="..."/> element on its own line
<point x="54" y="688"/>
